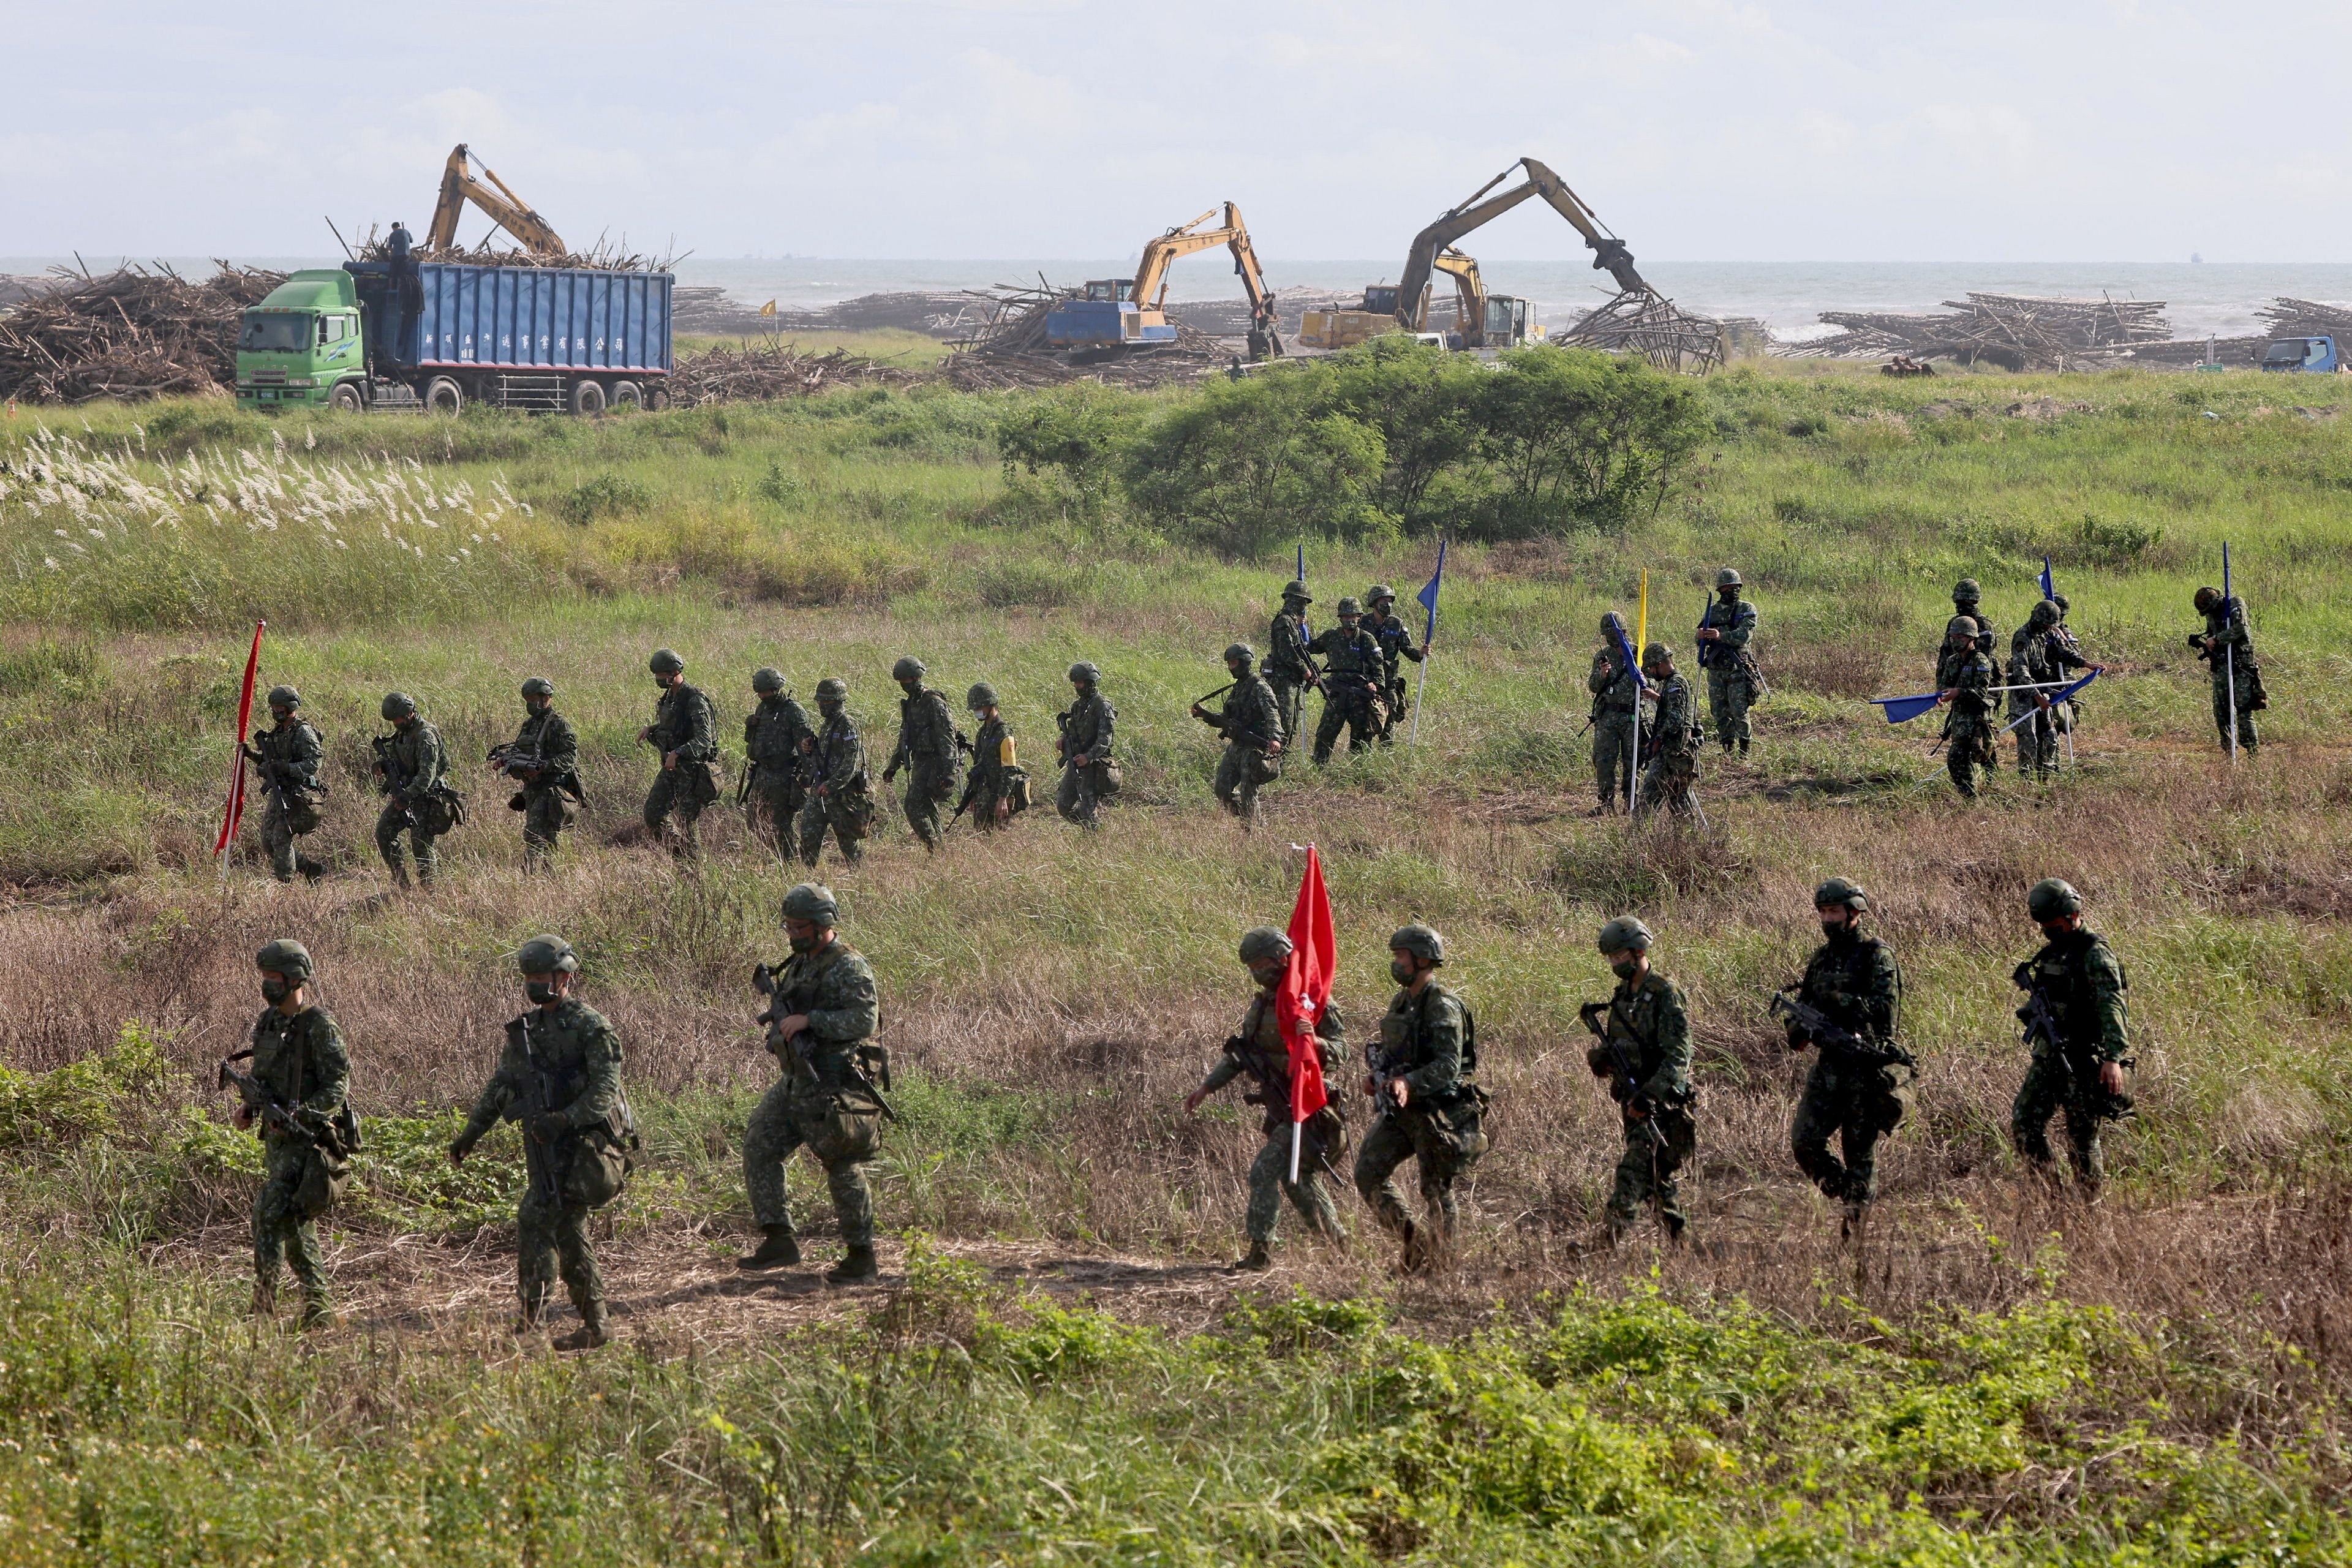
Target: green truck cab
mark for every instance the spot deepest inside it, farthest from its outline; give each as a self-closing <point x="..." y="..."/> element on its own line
<point x="300" y="346"/>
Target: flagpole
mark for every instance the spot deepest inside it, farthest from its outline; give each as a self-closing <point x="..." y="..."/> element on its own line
<point x="2228" y="656"/>
<point x="1641" y="651"/>
<point x="1428" y="636"/>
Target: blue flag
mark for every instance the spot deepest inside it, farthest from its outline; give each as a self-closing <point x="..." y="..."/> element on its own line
<point x="1902" y="709"/>
<point x="2049" y="583"/>
<point x="1428" y="594"/>
<point x="1626" y="652"/>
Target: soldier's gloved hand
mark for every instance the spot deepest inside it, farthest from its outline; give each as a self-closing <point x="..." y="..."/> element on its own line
<point x="890" y="773"/>
<point x="2197" y="641"/>
<point x="549" y="1125"/>
<point x="459" y="1147"/>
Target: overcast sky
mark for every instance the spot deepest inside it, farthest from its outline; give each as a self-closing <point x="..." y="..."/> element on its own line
<point x="1700" y="130"/>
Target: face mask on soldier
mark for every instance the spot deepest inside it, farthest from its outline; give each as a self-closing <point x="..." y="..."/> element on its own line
<point x="1401" y="971"/>
<point x="274" y="991"/>
<point x="541" y="992"/>
<point x="1625" y="968"/>
<point x="1268" y="976"/>
<point x="805" y="945"/>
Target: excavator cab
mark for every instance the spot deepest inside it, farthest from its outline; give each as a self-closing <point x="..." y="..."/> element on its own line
<point x="1110" y="290"/>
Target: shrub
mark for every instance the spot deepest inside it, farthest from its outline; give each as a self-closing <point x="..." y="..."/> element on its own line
<point x="606" y="495"/>
<point x="1584" y="437"/>
<point x="1250" y="465"/>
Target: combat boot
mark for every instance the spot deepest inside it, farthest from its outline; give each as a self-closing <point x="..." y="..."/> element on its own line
<point x="310" y="871"/>
<point x="1850" y="1227"/>
<point x="1256" y="1260"/>
<point x="590" y="1335"/>
<point x="530" y="1317"/>
<point x="857" y="1268"/>
<point x="317" y="1313"/>
<point x="780" y="1249"/>
<point x="264" y="1298"/>
<point x="1420" y="1249"/>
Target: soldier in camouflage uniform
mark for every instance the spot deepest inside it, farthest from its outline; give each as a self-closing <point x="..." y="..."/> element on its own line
<point x="1968" y="599"/>
<point x="2228" y="647"/>
<point x="306" y="1133"/>
<point x="1090" y="775"/>
<point x="1395" y="638"/>
<point x="1859" y="1085"/>
<point x="412" y="765"/>
<point x="559" y="1075"/>
<point x="544" y="762"/>
<point x="1426" y="1106"/>
<point x="1732" y="681"/>
<point x="1964" y="677"/>
<point x="1287" y="669"/>
<point x="1353" y="680"/>
<point x="821" y="1017"/>
<point x="2037" y="655"/>
<point x="1670" y="736"/>
<point x="840" y="790"/>
<point x="997" y="786"/>
<point x="2075" y="1021"/>
<point x="1250" y="720"/>
<point x="773" y="788"/>
<point x="929" y="746"/>
<point x="1260" y="1052"/>
<point x="1644" y="1053"/>
<point x="1614" y="695"/>
<point x="684" y="731"/>
<point x="289" y="756"/>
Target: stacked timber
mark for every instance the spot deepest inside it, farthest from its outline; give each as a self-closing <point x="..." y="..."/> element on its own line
<point x="132" y="333"/>
<point x="2013" y="330"/>
<point x="1652" y="326"/>
<point x="758" y="370"/>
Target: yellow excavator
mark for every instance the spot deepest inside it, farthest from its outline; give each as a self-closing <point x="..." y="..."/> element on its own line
<point x="1487" y="320"/>
<point x="502" y="206"/>
<point x="1117" y="314"/>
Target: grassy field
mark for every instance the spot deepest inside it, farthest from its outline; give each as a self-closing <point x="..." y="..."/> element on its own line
<point x="1056" y="1368"/>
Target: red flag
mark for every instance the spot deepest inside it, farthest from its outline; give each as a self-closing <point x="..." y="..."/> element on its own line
<point x="233" y="812"/>
<point x="1307" y="989"/>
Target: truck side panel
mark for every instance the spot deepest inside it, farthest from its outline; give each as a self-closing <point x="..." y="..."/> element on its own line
<point x="533" y="318"/>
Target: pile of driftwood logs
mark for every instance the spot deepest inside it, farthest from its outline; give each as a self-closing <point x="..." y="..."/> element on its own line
<point x="603" y="257"/>
<point x="1009" y="350"/>
<point x="2012" y="331"/>
<point x="1640" y="322"/>
<point x="135" y="333"/>
<point x="756" y="371"/>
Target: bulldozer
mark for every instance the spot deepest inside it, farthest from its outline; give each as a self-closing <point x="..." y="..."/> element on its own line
<point x="1121" y="315"/>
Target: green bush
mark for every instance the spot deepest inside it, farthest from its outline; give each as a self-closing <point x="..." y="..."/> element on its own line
<point x="606" y="495"/>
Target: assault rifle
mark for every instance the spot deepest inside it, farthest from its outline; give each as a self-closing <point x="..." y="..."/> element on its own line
<point x="299" y="1121"/>
<point x="1383" y="1073"/>
<point x="514" y="762"/>
<point x="539" y="1158"/>
<point x="2041" y="1021"/>
<point x="763" y="981"/>
<point x="274" y="779"/>
<point x="1610" y="1059"/>
<point x="1818" y="1028"/>
<point x="395" y="779"/>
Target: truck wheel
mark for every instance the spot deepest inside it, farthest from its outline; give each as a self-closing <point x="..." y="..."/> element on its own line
<point x="346" y="398"/>
<point x="587" y="397"/>
<point x="442" y="396"/>
<point x="627" y="398"/>
<point x="658" y="398"/>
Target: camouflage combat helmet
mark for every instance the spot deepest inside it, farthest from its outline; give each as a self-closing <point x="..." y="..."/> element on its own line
<point x="2207" y="598"/>
<point x="2051" y="899"/>
<point x="1379" y="592"/>
<point x="767" y="678"/>
<point x="1622" y="933"/>
<point x="981" y="695"/>
<point x="2060" y="600"/>
<point x="284" y="697"/>
<point x="1726" y="578"/>
<point x="1419" y="941"/>
<point x="1610" y="621"/>
<point x="1240" y="653"/>
<point x="1261" y="944"/>
<point x="665" y="661"/>
<point x="547" y="955"/>
<point x="1838" y="890"/>
<point x="1965" y="592"/>
<point x="398" y="705"/>
<point x="811" y="901"/>
<point x="908" y="669"/>
<point x="1657" y="656"/>
<point x="1084" y="673"/>
<point x="1962" y="627"/>
<point x="288" y="958"/>
<point x="538" y="686"/>
<point x="832" y="690"/>
<point x="1296" y="589"/>
<point x="1349" y="608"/>
<point x="2045" y="613"/>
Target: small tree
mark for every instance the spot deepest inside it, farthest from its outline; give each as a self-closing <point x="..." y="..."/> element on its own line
<point x="1579" y="436"/>
<point x="1073" y="434"/>
<point x="1250" y="465"/>
<point x="1425" y="402"/>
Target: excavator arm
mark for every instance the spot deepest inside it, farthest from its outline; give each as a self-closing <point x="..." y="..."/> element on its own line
<point x="1469" y="290"/>
<point x="1152" y="273"/>
<point x="503" y="208"/>
<point x="1610" y="253"/>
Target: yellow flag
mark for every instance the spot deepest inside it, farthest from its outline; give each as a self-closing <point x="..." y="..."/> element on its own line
<point x="769" y="308"/>
<point x="1641" y="619"/>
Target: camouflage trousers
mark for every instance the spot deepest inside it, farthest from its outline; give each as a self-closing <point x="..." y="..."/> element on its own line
<point x="282" y="1232"/>
<point x="931" y="789"/>
<point x="1396" y="1137"/>
<point x="277" y="837"/>
<point x="1861" y="1102"/>
<point x="1667" y="782"/>
<point x="1350" y="707"/>
<point x="840" y="1135"/>
<point x="1287" y="696"/>
<point x="2054" y="1086"/>
<point x="552" y="1240"/>
<point x="2244" y="705"/>
<point x="546" y="813"/>
<point x="771" y="812"/>
<point x="1240" y="772"/>
<point x="678" y="795"/>
<point x="1269" y="1184"/>
<point x="2037" y="740"/>
<point x="1079" y="800"/>
<point x="389" y="827"/>
<point x="1967" y="746"/>
<point x="1613" y="755"/>
<point x="1657" y="1146"/>
<point x="849" y="818"/>
<point x="1728" y="694"/>
<point x="1394" y="697"/>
